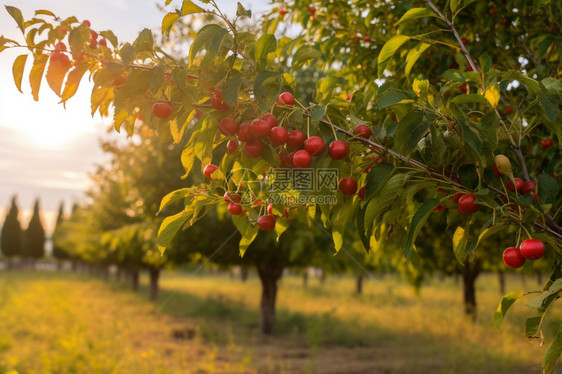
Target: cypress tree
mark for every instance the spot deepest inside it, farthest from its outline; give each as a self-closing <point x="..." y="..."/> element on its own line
<point x="11" y="232"/>
<point x="35" y="235"/>
<point x="58" y="250"/>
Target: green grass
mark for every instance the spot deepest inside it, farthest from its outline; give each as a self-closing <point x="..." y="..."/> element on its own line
<point x="70" y="323"/>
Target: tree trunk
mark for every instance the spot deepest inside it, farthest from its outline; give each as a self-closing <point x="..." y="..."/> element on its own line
<point x="270" y="271"/>
<point x="305" y="278"/>
<point x="469" y="275"/>
<point x="154" y="276"/>
<point x="359" y="284"/>
<point x="501" y="279"/>
<point x="135" y="280"/>
<point x="244" y="273"/>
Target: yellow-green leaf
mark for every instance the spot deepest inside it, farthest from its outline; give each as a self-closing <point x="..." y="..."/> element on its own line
<point x="416" y="13"/>
<point x="17" y="16"/>
<point x="388" y="50"/>
<point x="188" y="7"/>
<point x="170" y="226"/>
<point x="36" y="74"/>
<point x="413" y="56"/>
<point x="17" y="70"/>
<point x="168" y="21"/>
<point x="493" y="96"/>
<point x="454" y="5"/>
<point x="73" y="81"/>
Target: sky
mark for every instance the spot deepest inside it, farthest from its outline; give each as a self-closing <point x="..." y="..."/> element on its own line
<point x="46" y="152"/>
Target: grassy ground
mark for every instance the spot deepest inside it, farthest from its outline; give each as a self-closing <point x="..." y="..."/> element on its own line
<point x="69" y="323"/>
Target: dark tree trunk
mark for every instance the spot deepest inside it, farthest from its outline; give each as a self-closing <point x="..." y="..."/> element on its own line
<point x="270" y="271"/>
<point x="501" y="279"/>
<point x="469" y="275"/>
<point x="154" y="276"/>
<point x="359" y="284"/>
<point x="135" y="280"/>
<point x="244" y="273"/>
<point x="305" y="278"/>
<point x="74" y="266"/>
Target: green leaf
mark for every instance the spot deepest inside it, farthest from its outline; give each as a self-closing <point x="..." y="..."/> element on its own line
<point x="174" y="196"/>
<point x="168" y="21"/>
<point x="413" y="55"/>
<point x="415" y="13"/>
<point x="532" y="326"/>
<point x="77" y="38"/>
<point x="189" y="7"/>
<point x="210" y="38"/>
<point x="144" y="44"/>
<point x="127" y="53"/>
<point x="390" y="98"/>
<point x="470" y="138"/>
<point x="243" y="12"/>
<point x="552" y="84"/>
<point x="410" y="130"/>
<point x="376" y="179"/>
<point x="230" y="90"/>
<point x="468" y="176"/>
<point x="552" y="353"/>
<point x="17" y="70"/>
<point x="17" y="16"/>
<point x="340" y="217"/>
<point x="388" y="50"/>
<point x="543" y="301"/>
<point x="418" y="221"/>
<point x="267" y="87"/>
<point x="470" y="99"/>
<point x="36" y="74"/>
<point x="506" y="302"/>
<point x="380" y="203"/>
<point x="248" y="232"/>
<point x="109" y="35"/>
<point x="188" y="157"/>
<point x="317" y="112"/>
<point x="547" y="189"/>
<point x="304" y="54"/>
<point x="454" y="5"/>
<point x="265" y="44"/>
<point x="170" y="226"/>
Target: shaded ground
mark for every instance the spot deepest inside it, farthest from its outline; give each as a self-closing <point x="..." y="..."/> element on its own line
<point x="69" y="323"/>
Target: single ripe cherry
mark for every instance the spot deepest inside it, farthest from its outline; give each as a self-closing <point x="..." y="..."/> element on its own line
<point x="253" y="148"/>
<point x="363" y="130"/>
<point x="278" y="135"/>
<point x="512" y="257"/>
<point x="228" y="126"/>
<point x="302" y="159"/>
<point x="546" y="143"/>
<point x="456" y="197"/>
<point x="232" y="197"/>
<point x="86" y="22"/>
<point x="269" y="118"/>
<point x="286" y="98"/>
<point x="267" y="222"/>
<point x="361" y="193"/>
<point x="244" y="132"/>
<point x="529" y="186"/>
<point x="217" y="101"/>
<point x="260" y="128"/>
<point x="509" y="110"/>
<point x="282" y="12"/>
<point x="532" y="249"/>
<point x="315" y="145"/>
<point x="295" y="139"/>
<point x="209" y="170"/>
<point x="466" y="204"/>
<point x="338" y="149"/>
<point x="235" y="209"/>
<point x="161" y="110"/>
<point x="231" y="146"/>
<point x="348" y="186"/>
<point x="518" y="186"/>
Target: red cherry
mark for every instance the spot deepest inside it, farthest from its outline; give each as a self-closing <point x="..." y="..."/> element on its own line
<point x="228" y="126"/>
<point x="496" y="171"/>
<point x="546" y="143"/>
<point x="161" y="110"/>
<point x="464" y="41"/>
<point x="535" y="197"/>
<point x="348" y="98"/>
<point x="267" y="222"/>
<point x="103" y="42"/>
<point x="464" y="88"/>
<point x="119" y="81"/>
<point x="235" y="209"/>
<point x="209" y="169"/>
<point x="295" y="139"/>
<point x="466" y="204"/>
<point x="509" y="110"/>
<point x="217" y="101"/>
<point x="282" y="12"/>
<point x="362" y="192"/>
<point x="289" y="159"/>
<point x="245" y="133"/>
<point x="529" y="187"/>
<point x="260" y="128"/>
<point x="86" y="22"/>
<point x="517" y="186"/>
<point x="286" y="98"/>
<point x="63" y="29"/>
<point x="315" y="145"/>
<point x="231" y="146"/>
<point x="59" y="59"/>
<point x="532" y="249"/>
<point x="312" y="10"/>
<point x="278" y="135"/>
<point x="60" y="47"/>
<point x="367" y="39"/>
<point x="492" y="11"/>
<point x="93" y="35"/>
<point x="348" y="186"/>
<point x="253" y="148"/>
<point x="438" y="208"/>
<point x="469" y="68"/>
<point x="338" y="149"/>
<point x="512" y="258"/>
<point x="269" y="118"/>
<point x="302" y="159"/>
<point x="456" y="197"/>
<point x="363" y="130"/>
<point x="394" y="119"/>
<point x="232" y="197"/>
